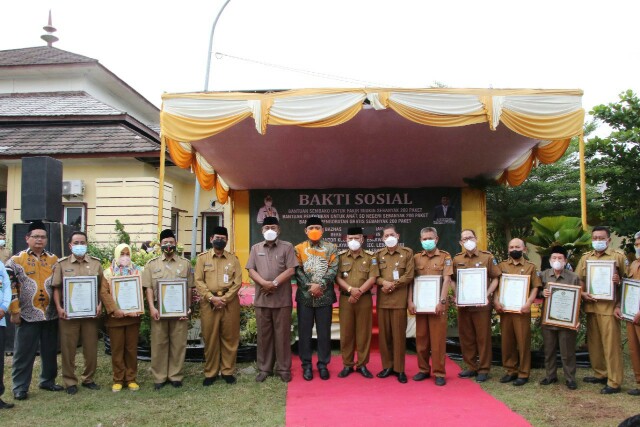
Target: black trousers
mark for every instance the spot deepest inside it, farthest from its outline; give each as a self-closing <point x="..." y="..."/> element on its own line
<point x="28" y="336"/>
<point x="322" y="318"/>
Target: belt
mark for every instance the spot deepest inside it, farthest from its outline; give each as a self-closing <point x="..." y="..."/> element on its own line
<point x="347" y="294"/>
<point x="220" y="292"/>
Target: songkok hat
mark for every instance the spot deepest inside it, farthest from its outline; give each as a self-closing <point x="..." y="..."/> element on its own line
<point x="166" y="233"/>
<point x="220" y="231"/>
<point x="36" y="225"/>
<point x="271" y="220"/>
<point x="354" y="230"/>
<point x="558" y="250"/>
<point x="314" y="220"/>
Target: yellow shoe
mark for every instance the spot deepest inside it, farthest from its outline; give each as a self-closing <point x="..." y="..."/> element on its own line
<point x="116" y="388"/>
<point x="133" y="387"/>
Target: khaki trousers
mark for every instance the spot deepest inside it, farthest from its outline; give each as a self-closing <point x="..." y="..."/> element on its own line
<point x="605" y="348"/>
<point x="515" y="329"/>
<point x="355" y="329"/>
<point x="566" y="339"/>
<point x="392" y="324"/>
<point x="431" y="341"/>
<point x="221" y="333"/>
<point x="71" y="332"/>
<point x="474" y="328"/>
<point x="274" y="339"/>
<point x="633" y="335"/>
<point x="168" y="348"/>
<point x="124" y="352"/>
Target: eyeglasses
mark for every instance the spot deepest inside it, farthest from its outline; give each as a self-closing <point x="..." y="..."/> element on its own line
<point x="464" y="239"/>
<point x="39" y="237"/>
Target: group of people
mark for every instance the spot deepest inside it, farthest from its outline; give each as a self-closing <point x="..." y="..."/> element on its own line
<point x="32" y="298"/>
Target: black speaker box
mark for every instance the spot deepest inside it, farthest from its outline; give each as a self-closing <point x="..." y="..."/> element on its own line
<point x="41" y="189"/>
<point x="58" y="234"/>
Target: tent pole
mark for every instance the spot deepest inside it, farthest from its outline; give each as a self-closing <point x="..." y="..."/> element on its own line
<point x="583" y="184"/>
<point x="163" y="149"/>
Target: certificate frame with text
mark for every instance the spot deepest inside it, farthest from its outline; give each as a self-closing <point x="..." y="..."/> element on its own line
<point x="597" y="270"/>
<point x="80" y="296"/>
<point x="514" y="291"/>
<point x="564" y="299"/>
<point x="127" y="293"/>
<point x="426" y="293"/>
<point x="468" y="278"/>
<point x="629" y="303"/>
<point x="177" y="308"/>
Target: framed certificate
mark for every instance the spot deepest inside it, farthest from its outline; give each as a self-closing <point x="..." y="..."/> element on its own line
<point x="172" y="301"/>
<point x="514" y="291"/>
<point x="426" y="293"/>
<point x="630" y="302"/>
<point x="471" y="287"/>
<point x="127" y="293"/>
<point x="562" y="308"/>
<point x="600" y="279"/>
<point x="80" y="296"/>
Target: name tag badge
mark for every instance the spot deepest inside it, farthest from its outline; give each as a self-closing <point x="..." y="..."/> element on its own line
<point x="396" y="275"/>
<point x="225" y="278"/>
<point x="261" y="254"/>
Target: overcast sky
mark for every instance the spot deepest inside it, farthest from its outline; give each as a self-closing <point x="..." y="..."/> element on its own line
<point x="161" y="46"/>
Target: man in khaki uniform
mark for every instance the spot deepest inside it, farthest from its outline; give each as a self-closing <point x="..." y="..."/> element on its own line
<point x="474" y="323"/>
<point x="71" y="330"/>
<point x="603" y="329"/>
<point x="357" y="273"/>
<point x="218" y="280"/>
<point x="515" y="328"/>
<point x="431" y="328"/>
<point x="396" y="274"/>
<point x="168" y="335"/>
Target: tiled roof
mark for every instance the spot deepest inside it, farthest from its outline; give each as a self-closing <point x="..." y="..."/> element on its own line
<point x="73" y="139"/>
<point x="41" y="55"/>
<point x="48" y="104"/>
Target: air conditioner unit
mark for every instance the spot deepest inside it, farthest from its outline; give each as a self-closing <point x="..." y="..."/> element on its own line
<point x="73" y="188"/>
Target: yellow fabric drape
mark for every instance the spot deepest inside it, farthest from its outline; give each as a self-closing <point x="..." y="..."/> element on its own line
<point x="440" y="120"/>
<point x="544" y="127"/>
<point x="179" y="155"/>
<point x="552" y="152"/>
<point x="189" y="130"/>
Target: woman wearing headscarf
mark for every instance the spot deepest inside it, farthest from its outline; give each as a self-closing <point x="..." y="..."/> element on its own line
<point x="123" y="328"/>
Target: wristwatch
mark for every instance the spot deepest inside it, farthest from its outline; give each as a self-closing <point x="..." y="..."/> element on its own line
<point x="349" y="290"/>
<point x="443" y="301"/>
<point x="275" y="283"/>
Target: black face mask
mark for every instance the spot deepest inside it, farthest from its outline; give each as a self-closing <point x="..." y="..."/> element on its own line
<point x="168" y="249"/>
<point x="219" y="244"/>
<point x="515" y="254"/>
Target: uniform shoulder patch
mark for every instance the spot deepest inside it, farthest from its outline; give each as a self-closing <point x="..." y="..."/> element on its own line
<point x="202" y="253"/>
<point x="368" y="252"/>
<point x="342" y="252"/>
<point x="494" y="261"/>
<point x="63" y="258"/>
<point x="153" y="259"/>
<point x="460" y="253"/>
<point x="95" y="257"/>
<point x="447" y="262"/>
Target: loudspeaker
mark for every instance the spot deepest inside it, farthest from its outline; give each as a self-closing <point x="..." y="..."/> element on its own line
<point x="58" y="234"/>
<point x="41" y="189"/>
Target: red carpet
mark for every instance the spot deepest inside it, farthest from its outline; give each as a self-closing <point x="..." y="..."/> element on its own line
<point x="357" y="401"/>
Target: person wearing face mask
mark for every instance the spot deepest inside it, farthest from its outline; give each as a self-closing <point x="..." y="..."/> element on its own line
<point x="515" y="328"/>
<point x="357" y="273"/>
<point x="554" y="336"/>
<point x="168" y="335"/>
<point x="271" y="264"/>
<point x="431" y="328"/>
<point x="73" y="330"/>
<point x="5" y="253"/>
<point x="218" y="279"/>
<point x="633" y="328"/>
<point x="315" y="274"/>
<point x="603" y="329"/>
<point x="396" y="275"/>
<point x="474" y="323"/>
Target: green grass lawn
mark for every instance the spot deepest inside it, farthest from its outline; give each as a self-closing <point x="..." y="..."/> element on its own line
<point x="251" y="403"/>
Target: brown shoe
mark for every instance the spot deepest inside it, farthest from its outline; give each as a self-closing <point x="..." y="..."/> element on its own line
<point x="261" y="377"/>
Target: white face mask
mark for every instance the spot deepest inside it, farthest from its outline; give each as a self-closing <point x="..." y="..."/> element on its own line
<point x="270" y="235"/>
<point x="599" y="245"/>
<point x="469" y="245"/>
<point x="637" y="252"/>
<point x="354" y="245"/>
<point x="391" y="241"/>
<point x="557" y="265"/>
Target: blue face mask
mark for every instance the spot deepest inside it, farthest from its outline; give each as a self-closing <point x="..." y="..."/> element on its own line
<point x="428" y="245"/>
<point x="3" y="242"/>
<point x="599" y="245"/>
<point x="79" y="250"/>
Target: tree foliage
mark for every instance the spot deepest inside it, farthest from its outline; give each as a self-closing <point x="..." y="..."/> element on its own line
<point x="614" y="164"/>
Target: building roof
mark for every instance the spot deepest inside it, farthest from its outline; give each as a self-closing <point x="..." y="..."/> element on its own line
<point x="43" y="104"/>
<point x="41" y="55"/>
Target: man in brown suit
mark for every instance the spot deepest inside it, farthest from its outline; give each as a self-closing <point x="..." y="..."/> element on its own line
<point x="271" y="264"/>
<point x="218" y="280"/>
<point x="474" y="323"/>
<point x="396" y="274"/>
<point x="357" y="273"/>
<point x="516" y="327"/>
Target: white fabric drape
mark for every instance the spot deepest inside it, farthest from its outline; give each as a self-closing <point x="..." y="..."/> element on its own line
<point x="540" y="105"/>
<point x="205" y="108"/>
<point x="312" y="108"/>
<point x="438" y="103"/>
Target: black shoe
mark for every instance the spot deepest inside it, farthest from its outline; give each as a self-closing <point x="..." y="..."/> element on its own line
<point x="20" y="395"/>
<point x="176" y="384"/>
<point x="5" y="405"/>
<point x="286" y="378"/>
<point x="402" y="377"/>
<point x="610" y="390"/>
<point x="421" y="376"/>
<point x="261" y="377"/>
<point x="385" y="373"/>
<point x="595" y="380"/>
<point x="547" y="381"/>
<point x="440" y="381"/>
<point x="364" y="372"/>
<point x="307" y="374"/>
<point x="52" y="387"/>
<point x="520" y="382"/>
<point x="91" y="386"/>
<point x="467" y="373"/>
<point x="229" y="379"/>
<point x="346" y="371"/>
<point x="324" y="373"/>
<point x="72" y="390"/>
<point x="571" y="385"/>
<point x="158" y="386"/>
<point x="508" y="378"/>
<point x="634" y="392"/>
<point x="482" y="378"/>
<point x="208" y="381"/>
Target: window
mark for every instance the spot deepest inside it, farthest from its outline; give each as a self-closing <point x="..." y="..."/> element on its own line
<point x="75" y="216"/>
<point x="175" y="218"/>
<point x="209" y="222"/>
